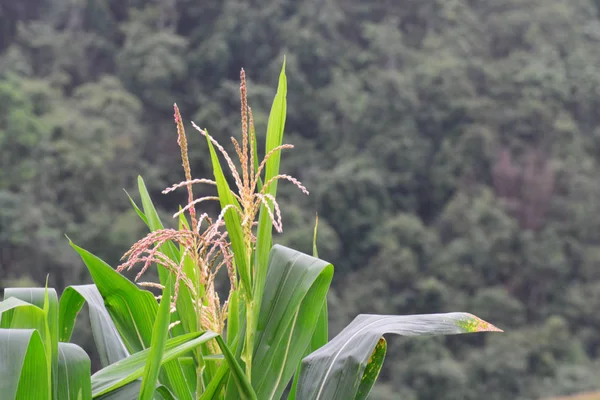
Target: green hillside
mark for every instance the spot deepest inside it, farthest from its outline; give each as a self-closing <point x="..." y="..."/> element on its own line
<point x="451" y="149"/>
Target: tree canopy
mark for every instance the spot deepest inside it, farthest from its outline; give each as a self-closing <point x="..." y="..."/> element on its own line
<point x="451" y="148"/>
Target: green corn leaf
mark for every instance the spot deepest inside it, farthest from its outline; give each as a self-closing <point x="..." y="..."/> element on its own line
<point x="336" y="370"/>
<point x="160" y="332"/>
<point x="264" y="235"/>
<point x="133" y="312"/>
<point x="163" y="393"/>
<point x="109" y="344"/>
<point x="237" y="373"/>
<point x="233" y="323"/>
<point x="74" y="370"/>
<point x="131" y="368"/>
<point x="23" y="366"/>
<point x="297" y="285"/>
<point x="139" y="212"/>
<point x="47" y="325"/>
<point x="215" y="386"/>
<point x="30" y="316"/>
<point x="275" y="128"/>
<point x="231" y="388"/>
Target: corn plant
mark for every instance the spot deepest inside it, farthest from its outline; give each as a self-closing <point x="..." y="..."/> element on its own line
<point x="264" y="337"/>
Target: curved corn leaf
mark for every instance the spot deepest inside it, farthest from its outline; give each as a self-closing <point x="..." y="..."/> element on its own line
<point x="23" y="365"/>
<point x="47" y="324"/>
<point x="109" y="344"/>
<point x="133" y="311"/>
<point x="74" y="370"/>
<point x="335" y="370"/>
<point x="296" y="289"/>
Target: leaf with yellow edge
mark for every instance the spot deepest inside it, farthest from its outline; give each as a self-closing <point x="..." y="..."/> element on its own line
<point x="336" y="370"/>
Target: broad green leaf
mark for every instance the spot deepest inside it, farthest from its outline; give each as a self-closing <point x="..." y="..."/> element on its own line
<point x="109" y="344"/>
<point x="160" y="332"/>
<point x="34" y="314"/>
<point x="74" y="371"/>
<point x="336" y="370"/>
<point x="133" y="311"/>
<point x="296" y="289"/>
<point x="23" y="367"/>
<point x="131" y="368"/>
<point x="47" y="326"/>
<point x="232" y="220"/>
<point x="372" y="370"/>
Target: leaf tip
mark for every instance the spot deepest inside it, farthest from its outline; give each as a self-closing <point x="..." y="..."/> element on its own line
<point x="475" y="324"/>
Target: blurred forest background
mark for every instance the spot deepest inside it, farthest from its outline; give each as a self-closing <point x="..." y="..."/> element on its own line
<point x="451" y="147"/>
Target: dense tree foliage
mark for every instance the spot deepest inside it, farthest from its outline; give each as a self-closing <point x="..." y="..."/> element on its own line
<point x="451" y="148"/>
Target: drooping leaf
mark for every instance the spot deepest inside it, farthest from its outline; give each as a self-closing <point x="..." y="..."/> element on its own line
<point x="109" y="344"/>
<point x="336" y="370"/>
